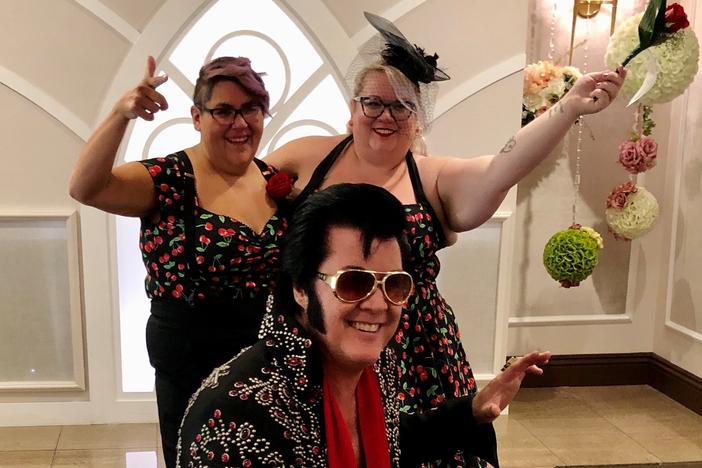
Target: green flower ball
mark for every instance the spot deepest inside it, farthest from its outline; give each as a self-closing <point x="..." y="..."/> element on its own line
<point x="570" y="256"/>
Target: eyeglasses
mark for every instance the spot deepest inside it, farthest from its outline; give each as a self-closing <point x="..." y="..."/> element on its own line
<point x="227" y="115"/>
<point x="374" y="107"/>
<point x="355" y="285"/>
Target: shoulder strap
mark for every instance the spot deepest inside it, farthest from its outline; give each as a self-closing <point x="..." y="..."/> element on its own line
<point x="421" y="198"/>
<point x="321" y="170"/>
<point x="414" y="177"/>
<point x="265" y="169"/>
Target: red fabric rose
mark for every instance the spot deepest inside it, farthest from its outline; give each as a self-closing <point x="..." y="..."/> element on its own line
<point x="618" y="197"/>
<point x="675" y="18"/>
<point x="279" y="186"/>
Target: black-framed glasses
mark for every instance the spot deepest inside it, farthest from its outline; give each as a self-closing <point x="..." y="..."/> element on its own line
<point x="225" y="115"/>
<point x="355" y="285"/>
<point x="374" y="107"/>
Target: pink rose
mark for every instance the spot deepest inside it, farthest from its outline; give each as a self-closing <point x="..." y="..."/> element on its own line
<point x="629" y="157"/>
<point x="618" y="197"/>
<point x="648" y="150"/>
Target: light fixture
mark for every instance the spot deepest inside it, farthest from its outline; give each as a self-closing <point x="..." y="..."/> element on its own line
<point x="588" y="9"/>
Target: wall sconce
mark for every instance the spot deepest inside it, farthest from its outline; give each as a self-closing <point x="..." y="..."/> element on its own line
<point x="588" y="9"/>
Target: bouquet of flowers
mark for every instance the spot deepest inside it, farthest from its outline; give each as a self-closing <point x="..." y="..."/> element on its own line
<point x="672" y="53"/>
<point x="544" y="85"/>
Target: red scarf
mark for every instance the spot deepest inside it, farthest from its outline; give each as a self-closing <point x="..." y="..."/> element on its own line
<point x="371" y="421"/>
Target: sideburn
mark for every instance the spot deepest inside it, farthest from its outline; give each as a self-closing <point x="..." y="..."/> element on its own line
<point x="315" y="314"/>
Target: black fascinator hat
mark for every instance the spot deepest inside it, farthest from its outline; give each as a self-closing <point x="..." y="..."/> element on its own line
<point x="400" y="53"/>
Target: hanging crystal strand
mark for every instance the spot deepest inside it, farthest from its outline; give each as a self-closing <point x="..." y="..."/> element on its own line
<point x="552" y="32"/>
<point x="637" y="127"/>
<point x="578" y="144"/>
<point x="576" y="179"/>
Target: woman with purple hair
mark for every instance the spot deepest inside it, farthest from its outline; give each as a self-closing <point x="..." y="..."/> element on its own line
<point x="210" y="229"/>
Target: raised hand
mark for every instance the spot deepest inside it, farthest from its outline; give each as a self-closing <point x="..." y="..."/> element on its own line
<point x="143" y="101"/>
<point x="595" y="91"/>
<point x="500" y="391"/>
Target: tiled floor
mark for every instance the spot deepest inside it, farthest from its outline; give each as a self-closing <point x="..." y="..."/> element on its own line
<point x="597" y="426"/>
<point x="545" y="428"/>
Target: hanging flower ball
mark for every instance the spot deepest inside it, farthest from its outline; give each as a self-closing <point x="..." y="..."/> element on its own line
<point x="638" y="156"/>
<point x="570" y="256"/>
<point x="631" y="211"/>
<point x="677" y="59"/>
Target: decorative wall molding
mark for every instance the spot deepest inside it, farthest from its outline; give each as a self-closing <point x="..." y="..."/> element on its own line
<point x="479" y="82"/>
<point x="555" y="320"/>
<point x="45" y="102"/>
<point x="684" y="330"/>
<point x="503" y="300"/>
<point x="393" y="13"/>
<point x="322" y="27"/>
<point x="73" y="297"/>
<point x="51" y="413"/>
<point x="111" y="19"/>
<point x="156" y="38"/>
<point x="501" y="215"/>
<point x="678" y="147"/>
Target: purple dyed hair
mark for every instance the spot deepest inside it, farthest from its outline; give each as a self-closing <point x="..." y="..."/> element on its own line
<point x="236" y="69"/>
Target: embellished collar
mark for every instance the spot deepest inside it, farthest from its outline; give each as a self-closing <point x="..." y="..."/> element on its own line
<point x="290" y="349"/>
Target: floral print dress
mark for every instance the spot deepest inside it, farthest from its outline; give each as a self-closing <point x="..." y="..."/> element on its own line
<point x="208" y="277"/>
<point x="220" y="258"/>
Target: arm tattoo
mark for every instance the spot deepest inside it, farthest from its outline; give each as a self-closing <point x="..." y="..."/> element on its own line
<point x="509" y="146"/>
<point x="558" y="107"/>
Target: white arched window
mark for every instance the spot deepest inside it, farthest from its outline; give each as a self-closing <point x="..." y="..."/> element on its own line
<point x="306" y="99"/>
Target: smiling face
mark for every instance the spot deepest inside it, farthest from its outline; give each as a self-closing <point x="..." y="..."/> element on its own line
<point x="356" y="333"/>
<point x="382" y="134"/>
<point x="228" y="147"/>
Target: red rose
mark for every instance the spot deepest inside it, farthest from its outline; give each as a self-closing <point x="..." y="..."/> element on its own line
<point x="675" y="18"/>
<point x="279" y="186"/>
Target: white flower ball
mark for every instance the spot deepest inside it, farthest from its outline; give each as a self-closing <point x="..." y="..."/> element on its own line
<point x="677" y="59"/>
<point x="636" y="218"/>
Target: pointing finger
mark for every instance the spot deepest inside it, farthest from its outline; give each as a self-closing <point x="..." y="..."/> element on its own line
<point x="150" y="67"/>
